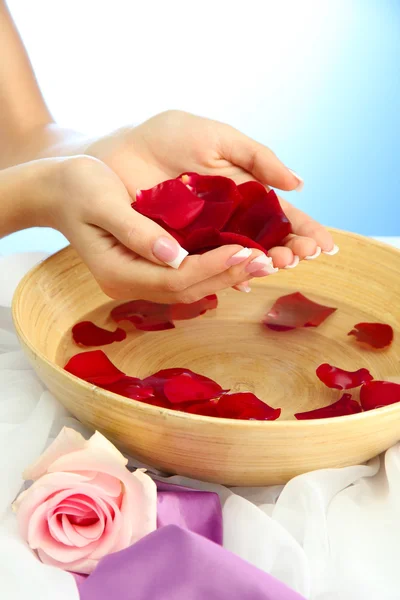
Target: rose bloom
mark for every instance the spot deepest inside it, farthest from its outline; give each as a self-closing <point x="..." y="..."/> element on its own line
<point x="84" y="503"/>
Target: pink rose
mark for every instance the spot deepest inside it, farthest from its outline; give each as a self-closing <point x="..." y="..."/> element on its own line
<point x="84" y="503"/>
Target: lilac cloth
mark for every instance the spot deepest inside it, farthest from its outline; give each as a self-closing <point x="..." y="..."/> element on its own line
<point x="199" y="512"/>
<point x="175" y="564"/>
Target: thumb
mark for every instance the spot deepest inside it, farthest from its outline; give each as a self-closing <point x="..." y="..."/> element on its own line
<point x="258" y="160"/>
<point x="142" y="235"/>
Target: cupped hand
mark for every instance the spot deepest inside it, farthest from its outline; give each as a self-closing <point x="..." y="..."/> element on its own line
<point x="128" y="254"/>
<point x="174" y="142"/>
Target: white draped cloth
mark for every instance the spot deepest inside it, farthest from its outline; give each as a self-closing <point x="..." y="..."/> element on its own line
<point x="330" y="535"/>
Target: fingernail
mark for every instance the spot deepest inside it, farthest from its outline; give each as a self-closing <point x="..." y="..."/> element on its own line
<point x="268" y="270"/>
<point x="242" y="287"/>
<point x="332" y="252"/>
<point x="239" y="257"/>
<point x="295" y="262"/>
<point x="258" y="263"/>
<point x="315" y="255"/>
<point x="169" y="251"/>
<point x="300" y="180"/>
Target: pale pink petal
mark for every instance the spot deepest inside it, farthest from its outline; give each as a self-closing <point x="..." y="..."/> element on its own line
<point x="140" y="503"/>
<point x="91" y="532"/>
<point x="85" y="565"/>
<point x="68" y="440"/>
<point x="99" y="443"/>
<point x="56" y="530"/>
<point x="74" y="536"/>
<point x="110" y="486"/>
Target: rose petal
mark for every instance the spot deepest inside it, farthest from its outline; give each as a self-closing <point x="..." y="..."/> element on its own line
<point x="375" y="335"/>
<point x="87" y="333"/>
<point x="100" y="443"/>
<point x="295" y="310"/>
<point x="170" y="202"/>
<point x="208" y="238"/>
<point x="339" y="379"/>
<point x="68" y="440"/>
<point x="94" y="367"/>
<point x="206" y="409"/>
<point x="130" y="387"/>
<point x="220" y="195"/>
<point x="191" y="387"/>
<point x="191" y="311"/>
<point x="376" y="394"/>
<point x="344" y="406"/>
<point x="259" y="216"/>
<point x="245" y="405"/>
<point x="144" y="315"/>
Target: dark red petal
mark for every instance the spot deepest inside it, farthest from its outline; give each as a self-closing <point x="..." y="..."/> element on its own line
<point x="130" y="387"/>
<point x="208" y="238"/>
<point x="245" y="405"/>
<point x="220" y="195"/>
<point x="191" y="387"/>
<point x="376" y="335"/>
<point x="339" y="379"/>
<point x="376" y="394"/>
<point x="259" y="216"/>
<point x="87" y="333"/>
<point x="170" y="202"/>
<point x="158" y="379"/>
<point x="344" y="406"/>
<point x="94" y="367"/>
<point x="206" y="409"/>
<point x="180" y="312"/>
<point x="295" y="310"/>
<point x="144" y="315"/>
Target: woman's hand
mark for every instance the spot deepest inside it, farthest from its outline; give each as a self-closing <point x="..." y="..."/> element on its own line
<point x="127" y="253"/>
<point x="174" y="142"/>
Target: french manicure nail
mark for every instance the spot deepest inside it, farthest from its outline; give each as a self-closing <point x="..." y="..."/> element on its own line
<point x="295" y="262"/>
<point x="315" y="255"/>
<point x="332" y="252"/>
<point x="243" y="288"/>
<point x="169" y="251"/>
<point x="300" y="180"/>
<point x="239" y="257"/>
<point x="258" y="263"/>
<point x="268" y="270"/>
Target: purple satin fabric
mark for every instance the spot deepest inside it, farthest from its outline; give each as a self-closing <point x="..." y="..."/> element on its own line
<point x="176" y="564"/>
<point x="199" y="512"/>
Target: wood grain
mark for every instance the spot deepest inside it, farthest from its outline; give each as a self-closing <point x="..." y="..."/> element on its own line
<point x="229" y="345"/>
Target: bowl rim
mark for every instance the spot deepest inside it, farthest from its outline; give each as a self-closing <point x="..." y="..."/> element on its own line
<point x="216" y="422"/>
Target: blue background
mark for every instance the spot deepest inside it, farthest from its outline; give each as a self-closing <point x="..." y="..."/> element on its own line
<point x="334" y="118"/>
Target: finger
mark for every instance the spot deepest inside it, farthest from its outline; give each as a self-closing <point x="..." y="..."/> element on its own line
<point x="305" y="226"/>
<point x="281" y="256"/>
<point x="140" y="234"/>
<point x="258" y="160"/>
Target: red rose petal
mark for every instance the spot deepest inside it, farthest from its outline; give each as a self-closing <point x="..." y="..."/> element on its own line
<point x="208" y="238"/>
<point x="339" y="379"/>
<point x="94" y="367"/>
<point x="376" y="394"/>
<point x="205" y="409"/>
<point x="130" y="387"/>
<point x="87" y="333"/>
<point x="170" y="202"/>
<point x="180" y="312"/>
<point x="220" y="195"/>
<point x="191" y="387"/>
<point x="259" y="216"/>
<point x="344" y="406"/>
<point x="144" y="315"/>
<point x="245" y="405"/>
<point x="376" y="335"/>
<point x="295" y="310"/>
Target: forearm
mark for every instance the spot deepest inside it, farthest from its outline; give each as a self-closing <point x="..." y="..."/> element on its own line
<point x="27" y="130"/>
<point x="24" y="194"/>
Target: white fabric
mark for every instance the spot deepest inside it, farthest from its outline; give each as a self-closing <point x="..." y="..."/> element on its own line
<point x="330" y="535"/>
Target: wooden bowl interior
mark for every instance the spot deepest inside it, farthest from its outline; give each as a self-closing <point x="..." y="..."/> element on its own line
<point x="229" y="344"/>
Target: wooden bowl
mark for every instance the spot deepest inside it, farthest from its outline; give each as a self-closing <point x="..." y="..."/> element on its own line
<point x="229" y="345"/>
